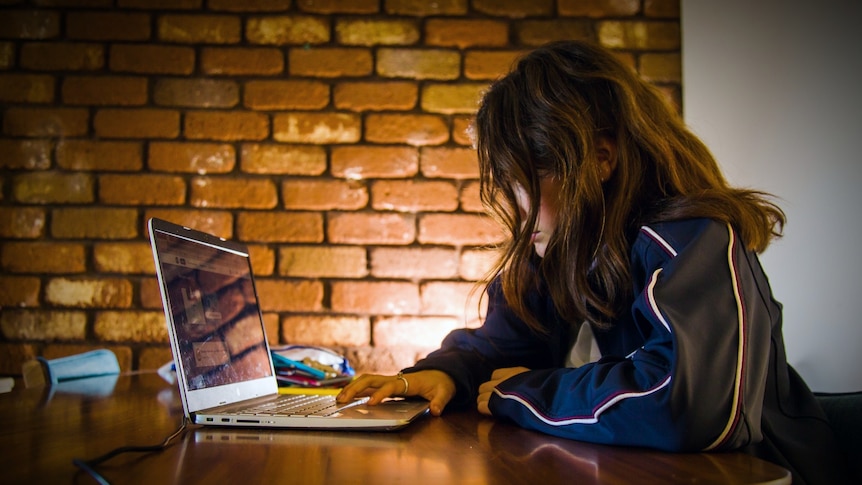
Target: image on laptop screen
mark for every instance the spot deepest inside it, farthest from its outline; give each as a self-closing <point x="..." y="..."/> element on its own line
<point x="216" y="319"/>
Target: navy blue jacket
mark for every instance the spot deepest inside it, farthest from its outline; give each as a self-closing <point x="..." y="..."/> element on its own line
<point x="698" y="364"/>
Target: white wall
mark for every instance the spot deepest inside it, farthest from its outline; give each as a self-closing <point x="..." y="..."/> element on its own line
<point x="774" y="88"/>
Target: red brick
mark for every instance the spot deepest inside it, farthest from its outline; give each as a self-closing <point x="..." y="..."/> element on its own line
<point x="53" y="188"/>
<point x="323" y="261"/>
<point x="360" y="162"/>
<point x="26" y="88"/>
<point x="422" y="8"/>
<point x="141" y="189"/>
<point x="199" y="29"/>
<point x="371" y="228"/>
<point x="647" y="35"/>
<point x="470" y="199"/>
<point x="29" y="24"/>
<point x="627" y="58"/>
<point x="419" y="63"/>
<point x="414" y="195"/>
<point x="152" y="59"/>
<point x="459" y="299"/>
<point x="234" y="193"/>
<point x="280" y="227"/>
<point x="286" y="95"/>
<point x="462" y="129"/>
<point x="661" y="67"/>
<point x="515" y="8"/>
<point x="75" y="3"/>
<point x="458" y="230"/>
<point x="107" y="26"/>
<point x="338" y="6"/>
<point x="422" y="332"/>
<point x="383" y="360"/>
<point x="89" y="292"/>
<point x="151" y="358"/>
<point x="375" y="297"/>
<point x="114" y="90"/>
<point x="316" y="128"/>
<point x="476" y="263"/>
<point x="51" y="122"/>
<point x="416" y="130"/>
<point x="219" y="223"/>
<point x="22" y="222"/>
<point x="456" y="163"/>
<point x="196" y="93"/>
<point x="94" y="223"/>
<point x="249" y="5"/>
<point x="598" y="8"/>
<point x="7" y="55"/>
<point x="465" y="33"/>
<point x="43" y="257"/>
<point x="290" y="296"/>
<point x="321" y="194"/>
<point x="44" y="325"/>
<point x="85" y="155"/>
<point x="452" y="98"/>
<point x="25" y="154"/>
<point x="414" y="263"/>
<point x="240" y="61"/>
<point x="262" y="260"/>
<point x="13" y="355"/>
<point x="226" y="125"/>
<point x="662" y="8"/>
<point x="369" y="31"/>
<point x="534" y="33"/>
<point x="330" y="62"/>
<point x="137" y="123"/>
<point x="189" y="157"/>
<point x="62" y="56"/>
<point x="325" y="330"/>
<point x="161" y="4"/>
<point x="276" y="158"/>
<point x="489" y="64"/>
<point x="131" y="326"/>
<point x="376" y="96"/>
<point x="123" y="258"/>
<point x="19" y="291"/>
<point x="287" y="30"/>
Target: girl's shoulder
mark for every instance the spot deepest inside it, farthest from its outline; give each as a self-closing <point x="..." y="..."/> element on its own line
<point x="675" y="235"/>
<point x="658" y="245"/>
<point x="665" y="240"/>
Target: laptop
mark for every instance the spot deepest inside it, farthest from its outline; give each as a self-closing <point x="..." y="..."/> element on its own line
<point x="224" y="368"/>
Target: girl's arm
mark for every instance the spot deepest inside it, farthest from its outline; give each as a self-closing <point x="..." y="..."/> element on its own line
<point x="469" y="356"/>
<point x="705" y="315"/>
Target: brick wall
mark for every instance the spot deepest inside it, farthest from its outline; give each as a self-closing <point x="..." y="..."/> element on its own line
<point x="329" y="135"/>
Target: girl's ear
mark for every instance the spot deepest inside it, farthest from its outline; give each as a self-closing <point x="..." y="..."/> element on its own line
<point x="606" y="155"/>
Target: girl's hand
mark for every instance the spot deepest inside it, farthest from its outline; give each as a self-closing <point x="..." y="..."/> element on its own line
<point x="486" y="389"/>
<point x="434" y="385"/>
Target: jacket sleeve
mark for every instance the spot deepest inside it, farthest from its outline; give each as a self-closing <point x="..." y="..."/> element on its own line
<point x="469" y="356"/>
<point x="697" y="381"/>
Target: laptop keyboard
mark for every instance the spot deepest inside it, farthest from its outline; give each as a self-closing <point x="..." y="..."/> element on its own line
<point x="299" y="405"/>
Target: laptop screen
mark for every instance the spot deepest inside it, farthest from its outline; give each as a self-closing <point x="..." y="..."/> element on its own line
<point x="215" y="316"/>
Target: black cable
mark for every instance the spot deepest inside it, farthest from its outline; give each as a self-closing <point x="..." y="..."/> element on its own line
<point x="88" y="466"/>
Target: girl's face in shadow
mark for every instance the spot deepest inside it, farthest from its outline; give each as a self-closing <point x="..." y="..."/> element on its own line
<point x="546" y="220"/>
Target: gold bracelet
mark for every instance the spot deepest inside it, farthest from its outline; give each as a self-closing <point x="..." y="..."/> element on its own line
<point x="404" y="380"/>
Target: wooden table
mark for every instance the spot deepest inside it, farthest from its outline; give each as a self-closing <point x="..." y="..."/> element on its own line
<point x="42" y="430"/>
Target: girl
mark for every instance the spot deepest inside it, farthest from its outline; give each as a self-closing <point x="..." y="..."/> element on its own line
<point x="628" y="306"/>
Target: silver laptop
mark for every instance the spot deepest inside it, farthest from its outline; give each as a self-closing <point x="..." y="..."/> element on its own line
<point x="224" y="368"/>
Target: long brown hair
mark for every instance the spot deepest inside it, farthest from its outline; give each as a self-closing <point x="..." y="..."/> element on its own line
<point x="543" y="120"/>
